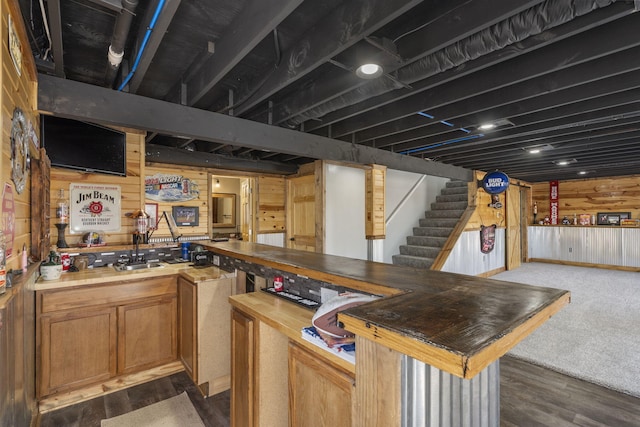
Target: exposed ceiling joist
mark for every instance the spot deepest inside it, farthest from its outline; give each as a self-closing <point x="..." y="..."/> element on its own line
<point x="346" y="25"/>
<point x="80" y="101"/>
<point x="55" y="24"/>
<point x="602" y="41"/>
<point x="170" y="155"/>
<point x="576" y="26"/>
<point x="256" y="21"/>
<point x="162" y="23"/>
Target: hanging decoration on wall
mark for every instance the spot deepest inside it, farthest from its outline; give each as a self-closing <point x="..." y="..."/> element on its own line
<point x="495" y="182"/>
<point x="94" y="207"/>
<point x="495" y="202"/>
<point x="8" y="218"/>
<point x="170" y="188"/>
<point x="487" y="238"/>
<point x="15" y="47"/>
<point x="554" y="203"/>
<point x="19" y="150"/>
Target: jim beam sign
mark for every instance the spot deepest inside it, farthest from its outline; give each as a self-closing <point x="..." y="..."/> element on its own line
<point x="94" y="207"/>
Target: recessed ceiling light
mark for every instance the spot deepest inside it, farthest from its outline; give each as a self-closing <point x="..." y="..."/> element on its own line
<point x="535" y="149"/>
<point x="583" y="173"/>
<point x="564" y="162"/>
<point x="487" y="126"/>
<point x="369" y="71"/>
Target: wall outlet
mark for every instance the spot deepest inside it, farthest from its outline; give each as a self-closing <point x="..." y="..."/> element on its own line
<point x="216" y="260"/>
<point x="327" y="294"/>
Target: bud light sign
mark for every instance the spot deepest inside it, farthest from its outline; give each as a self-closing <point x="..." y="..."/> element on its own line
<point x="495" y="182"/>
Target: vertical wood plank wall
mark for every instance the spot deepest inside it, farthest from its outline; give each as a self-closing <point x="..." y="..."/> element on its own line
<point x="485" y="215"/>
<point x="270" y="204"/>
<point x="375" y="227"/>
<point x="199" y="178"/>
<point x="590" y="196"/>
<point x="131" y="188"/>
<point x="18" y="91"/>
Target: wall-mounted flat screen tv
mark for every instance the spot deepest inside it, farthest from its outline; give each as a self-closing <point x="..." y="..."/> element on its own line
<point x="84" y="146"/>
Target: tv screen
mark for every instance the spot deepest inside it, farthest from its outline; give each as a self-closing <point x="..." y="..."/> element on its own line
<point x="84" y="146"/>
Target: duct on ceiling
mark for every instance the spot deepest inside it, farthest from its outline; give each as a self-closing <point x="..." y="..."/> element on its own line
<point x="119" y="39"/>
<point x="530" y="22"/>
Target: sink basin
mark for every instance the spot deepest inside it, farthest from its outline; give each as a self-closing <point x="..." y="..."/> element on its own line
<point x="130" y="267"/>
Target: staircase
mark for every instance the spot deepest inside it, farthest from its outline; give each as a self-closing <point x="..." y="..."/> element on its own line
<point x="428" y="239"/>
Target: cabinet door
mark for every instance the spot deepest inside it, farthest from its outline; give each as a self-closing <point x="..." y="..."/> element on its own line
<point x="242" y="374"/>
<point x="187" y="324"/>
<point x="320" y="394"/>
<point x="77" y="348"/>
<point x="147" y="334"/>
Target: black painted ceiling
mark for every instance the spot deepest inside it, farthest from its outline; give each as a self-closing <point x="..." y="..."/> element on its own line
<point x="559" y="75"/>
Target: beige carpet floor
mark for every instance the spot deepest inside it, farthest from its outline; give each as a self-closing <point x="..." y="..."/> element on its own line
<point x="597" y="336"/>
<point x="177" y="411"/>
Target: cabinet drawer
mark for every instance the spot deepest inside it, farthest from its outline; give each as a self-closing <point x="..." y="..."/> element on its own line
<point x="105" y="294"/>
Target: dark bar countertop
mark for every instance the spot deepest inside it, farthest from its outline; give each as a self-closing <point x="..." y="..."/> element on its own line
<point x="454" y="322"/>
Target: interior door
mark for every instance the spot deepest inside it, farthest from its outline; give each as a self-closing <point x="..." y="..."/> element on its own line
<point x="301" y="213"/>
<point x="514" y="235"/>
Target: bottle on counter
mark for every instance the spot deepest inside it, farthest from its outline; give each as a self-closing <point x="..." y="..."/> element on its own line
<point x="575" y="219"/>
<point x="62" y="208"/>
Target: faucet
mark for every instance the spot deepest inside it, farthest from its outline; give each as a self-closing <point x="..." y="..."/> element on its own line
<point x="137" y="257"/>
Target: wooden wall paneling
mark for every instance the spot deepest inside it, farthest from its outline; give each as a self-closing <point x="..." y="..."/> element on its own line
<point x="40" y="206"/>
<point x="19" y="90"/>
<point x="513" y="234"/>
<point x="378" y="392"/>
<point x="590" y="196"/>
<point x="131" y="188"/>
<point x="374" y="202"/>
<point x="271" y="202"/>
<point x="320" y="203"/>
<point x="484" y="214"/>
<point x="201" y="179"/>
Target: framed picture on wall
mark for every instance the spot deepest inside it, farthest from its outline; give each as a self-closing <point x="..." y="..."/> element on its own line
<point x="185" y="216"/>
<point x="151" y="209"/>
<point x="612" y="218"/>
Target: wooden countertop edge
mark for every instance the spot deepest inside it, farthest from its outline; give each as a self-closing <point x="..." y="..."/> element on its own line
<point x="287" y="318"/>
<point x="463" y="366"/>
<point x="18" y="282"/>
<point x="93" y="276"/>
<point x="349" y="282"/>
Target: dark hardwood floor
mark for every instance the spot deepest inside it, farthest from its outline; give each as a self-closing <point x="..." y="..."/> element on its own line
<point x="530" y="396"/>
<point x="213" y="410"/>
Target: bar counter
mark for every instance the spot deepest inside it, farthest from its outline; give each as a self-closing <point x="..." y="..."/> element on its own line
<point x="459" y="324"/>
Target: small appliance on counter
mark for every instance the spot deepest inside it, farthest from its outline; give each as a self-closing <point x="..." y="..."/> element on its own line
<point x="199" y="256"/>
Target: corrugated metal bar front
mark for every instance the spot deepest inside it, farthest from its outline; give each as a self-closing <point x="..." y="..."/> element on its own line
<point x="466" y="257"/>
<point x="434" y="398"/>
<point x="604" y="245"/>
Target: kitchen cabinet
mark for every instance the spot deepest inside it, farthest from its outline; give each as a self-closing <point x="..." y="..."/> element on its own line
<point x="242" y="373"/>
<point x="259" y="379"/>
<point x="147" y="334"/>
<point x="204" y="318"/>
<point x="320" y="394"/>
<point x="78" y="348"/>
<point x="88" y="334"/>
